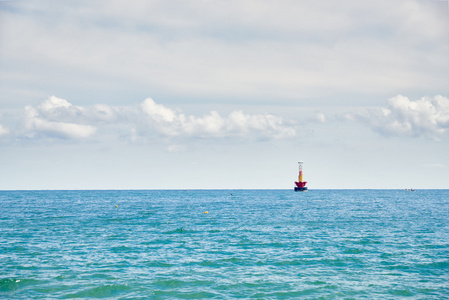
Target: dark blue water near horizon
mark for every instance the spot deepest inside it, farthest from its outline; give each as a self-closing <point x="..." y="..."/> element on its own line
<point x="224" y="244"/>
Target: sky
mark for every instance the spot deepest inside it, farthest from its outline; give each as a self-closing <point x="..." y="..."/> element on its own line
<point x="224" y="94"/>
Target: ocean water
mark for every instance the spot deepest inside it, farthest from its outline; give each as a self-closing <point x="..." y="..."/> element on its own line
<point x="224" y="244"/>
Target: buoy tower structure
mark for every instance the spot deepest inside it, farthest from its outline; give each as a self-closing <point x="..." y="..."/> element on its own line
<point x="300" y="184"/>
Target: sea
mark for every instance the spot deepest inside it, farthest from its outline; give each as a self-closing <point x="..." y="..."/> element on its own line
<point x="224" y="244"/>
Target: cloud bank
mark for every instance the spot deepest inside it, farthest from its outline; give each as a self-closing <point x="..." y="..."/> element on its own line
<point x="58" y="118"/>
<point x="237" y="123"/>
<point x="246" y="49"/>
<point x="425" y="117"/>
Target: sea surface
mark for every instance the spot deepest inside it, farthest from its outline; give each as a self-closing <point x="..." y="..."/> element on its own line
<point x="224" y="244"/>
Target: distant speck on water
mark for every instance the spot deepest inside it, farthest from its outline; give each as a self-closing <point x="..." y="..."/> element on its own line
<point x="264" y="244"/>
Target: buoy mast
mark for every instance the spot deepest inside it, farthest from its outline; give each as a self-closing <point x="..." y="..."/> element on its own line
<point x="300" y="184"/>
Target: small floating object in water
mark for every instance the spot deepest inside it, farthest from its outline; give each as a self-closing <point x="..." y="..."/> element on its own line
<point x="116" y="206"/>
<point x="206" y="212"/>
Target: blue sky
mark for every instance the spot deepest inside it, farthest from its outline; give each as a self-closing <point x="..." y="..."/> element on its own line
<point x="224" y="94"/>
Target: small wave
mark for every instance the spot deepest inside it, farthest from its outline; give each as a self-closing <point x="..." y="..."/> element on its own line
<point x="183" y="295"/>
<point x="179" y="231"/>
<point x="121" y="249"/>
<point x="158" y="264"/>
<point x="14" y="284"/>
<point x="353" y="251"/>
<point x="170" y="283"/>
<point x="401" y="292"/>
<point x="112" y="290"/>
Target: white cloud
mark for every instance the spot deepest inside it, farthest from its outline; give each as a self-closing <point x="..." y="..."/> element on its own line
<point x="426" y="117"/>
<point x="213" y="125"/>
<point x="37" y="125"/>
<point x="57" y="109"/>
<point x="158" y="112"/>
<point x="268" y="124"/>
<point x="56" y="117"/>
<point x="320" y="117"/>
<point x="3" y="130"/>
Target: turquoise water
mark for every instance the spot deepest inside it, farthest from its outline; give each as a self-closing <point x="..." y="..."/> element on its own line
<point x="257" y="244"/>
